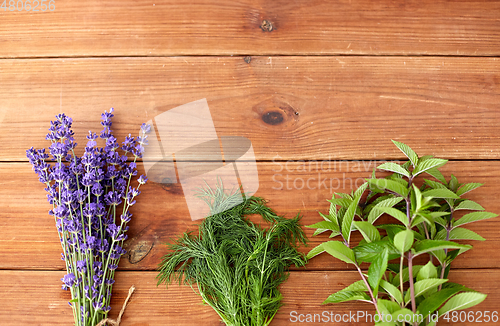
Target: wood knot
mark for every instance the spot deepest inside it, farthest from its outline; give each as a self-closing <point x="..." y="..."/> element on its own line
<point x="168" y="180"/>
<point x="266" y="26"/>
<point x="276" y="112"/>
<point x="172" y="188"/>
<point x="272" y="118"/>
<point x="139" y="251"/>
<point x="247" y="59"/>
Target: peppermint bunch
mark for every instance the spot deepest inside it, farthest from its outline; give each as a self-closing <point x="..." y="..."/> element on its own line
<point x="410" y="257"/>
<point x="91" y="197"/>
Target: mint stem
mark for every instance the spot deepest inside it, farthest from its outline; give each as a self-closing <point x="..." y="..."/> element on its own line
<point x="374" y="301"/>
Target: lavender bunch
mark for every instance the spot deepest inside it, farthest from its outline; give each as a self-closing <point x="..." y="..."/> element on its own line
<point x="91" y="196"/>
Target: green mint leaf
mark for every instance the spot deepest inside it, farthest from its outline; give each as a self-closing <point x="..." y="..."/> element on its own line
<point x="359" y="192"/>
<point x="462" y="301"/>
<point x="459" y="234"/>
<point x="342" y="202"/>
<point x="343" y="296"/>
<point x="418" y="198"/>
<point x="420" y="218"/>
<point x="389" y="185"/>
<point x="423" y="286"/>
<point x="440" y="255"/>
<point x="440" y="193"/>
<point x="425" y="246"/>
<point x="368" y="252"/>
<point x="430" y="304"/>
<point x="427" y="271"/>
<point x="396" y="213"/>
<point x="325" y="225"/>
<point x="319" y="231"/>
<point x="394" y="167"/>
<point x="367" y="230"/>
<point x="412" y="156"/>
<point x="356" y="286"/>
<point x="403" y="241"/>
<point x="437" y="174"/>
<point x="432" y="163"/>
<point x="474" y="217"/>
<point x="469" y="205"/>
<point x="406" y="274"/>
<point x="377" y="270"/>
<point x="315" y="251"/>
<point x="387" y="307"/>
<point x="339" y="250"/>
<point x="434" y="184"/>
<point x="330" y="218"/>
<point x="375" y="213"/>
<point x="349" y="217"/>
<point x="468" y="187"/>
<point x="453" y="185"/>
<point x="332" y="213"/>
<point x="392" y="291"/>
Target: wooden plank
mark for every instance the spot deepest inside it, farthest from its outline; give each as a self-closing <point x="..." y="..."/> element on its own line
<point x="289" y="107"/>
<point x="161" y="212"/>
<point x="165" y="28"/>
<point x="42" y="302"/>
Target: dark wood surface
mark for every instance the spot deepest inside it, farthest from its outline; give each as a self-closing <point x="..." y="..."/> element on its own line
<point x="161" y="212"/>
<point x="39" y="300"/>
<point x="165" y="28"/>
<point x="330" y="108"/>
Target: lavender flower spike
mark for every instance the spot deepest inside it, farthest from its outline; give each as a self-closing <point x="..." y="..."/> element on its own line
<point x="81" y="190"/>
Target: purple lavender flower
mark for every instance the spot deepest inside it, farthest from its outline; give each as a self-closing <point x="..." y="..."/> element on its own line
<point x="67" y="197"/>
<point x="60" y="129"/>
<point x="120" y="187"/>
<point x="86" y="291"/>
<point x="97" y="305"/>
<point x="68" y="281"/>
<point x="113" y="231"/>
<point x="97" y="189"/>
<point x="142" y="179"/>
<point x="81" y="266"/>
<point x="60" y="211"/>
<point x="126" y="217"/>
<point x="145" y="128"/>
<point x="132" y="193"/>
<point x="131" y="169"/>
<point x="103" y="247"/>
<point x="82" y="191"/>
<point x="97" y="280"/>
<point x="80" y="196"/>
<point x="128" y="144"/>
<point x="113" y="198"/>
<point x="91" y="137"/>
<point x="106" y="123"/>
<point x="97" y="265"/>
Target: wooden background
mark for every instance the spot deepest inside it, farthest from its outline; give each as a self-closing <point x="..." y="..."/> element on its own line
<point x="342" y="77"/>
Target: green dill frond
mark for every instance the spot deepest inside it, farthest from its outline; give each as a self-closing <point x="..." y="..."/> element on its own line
<point x="233" y="264"/>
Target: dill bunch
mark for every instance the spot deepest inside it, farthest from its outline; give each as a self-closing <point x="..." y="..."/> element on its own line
<point x="235" y="265"/>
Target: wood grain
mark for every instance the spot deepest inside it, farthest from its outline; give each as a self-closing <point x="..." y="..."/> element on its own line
<point x="323" y="108"/>
<point x="161" y="212"/>
<point x="171" y="28"/>
<point x="35" y="298"/>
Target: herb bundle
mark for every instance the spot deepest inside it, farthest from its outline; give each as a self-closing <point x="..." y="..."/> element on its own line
<point x="91" y="196"/>
<point x="428" y="220"/>
<point x="235" y="265"/>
